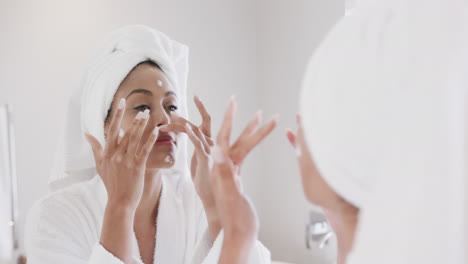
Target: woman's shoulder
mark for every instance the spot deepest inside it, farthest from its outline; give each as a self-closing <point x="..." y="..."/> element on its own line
<point x="80" y="198"/>
<point x="69" y="216"/>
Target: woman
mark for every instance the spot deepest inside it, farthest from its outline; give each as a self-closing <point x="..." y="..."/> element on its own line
<point x="142" y="206"/>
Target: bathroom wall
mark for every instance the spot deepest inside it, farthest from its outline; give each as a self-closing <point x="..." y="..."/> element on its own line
<point x="288" y="34"/>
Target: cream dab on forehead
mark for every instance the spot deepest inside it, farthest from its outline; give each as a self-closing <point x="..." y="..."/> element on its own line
<point x="160" y="83"/>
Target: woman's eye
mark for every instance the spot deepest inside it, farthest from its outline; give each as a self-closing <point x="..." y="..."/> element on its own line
<point x="172" y="108"/>
<point x="142" y="107"/>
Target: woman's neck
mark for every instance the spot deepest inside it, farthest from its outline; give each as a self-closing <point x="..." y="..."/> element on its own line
<point x="344" y="222"/>
<point x="148" y="206"/>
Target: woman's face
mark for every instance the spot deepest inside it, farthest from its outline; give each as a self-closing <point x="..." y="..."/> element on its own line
<point x="146" y="87"/>
<point x="316" y="189"/>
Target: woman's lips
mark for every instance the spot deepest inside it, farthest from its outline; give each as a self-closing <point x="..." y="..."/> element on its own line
<point x="164" y="142"/>
<point x="165" y="139"/>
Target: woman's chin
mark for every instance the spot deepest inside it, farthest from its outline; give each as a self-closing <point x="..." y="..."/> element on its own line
<point x="161" y="160"/>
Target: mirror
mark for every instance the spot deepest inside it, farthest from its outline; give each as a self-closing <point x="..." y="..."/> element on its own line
<point x="257" y="50"/>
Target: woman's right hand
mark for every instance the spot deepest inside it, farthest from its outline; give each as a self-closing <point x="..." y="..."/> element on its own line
<point x="122" y="162"/>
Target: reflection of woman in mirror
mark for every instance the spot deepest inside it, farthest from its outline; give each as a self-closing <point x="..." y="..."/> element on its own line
<point x="144" y="206"/>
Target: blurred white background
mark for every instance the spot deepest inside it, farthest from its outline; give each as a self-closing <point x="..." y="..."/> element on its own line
<point x="257" y="50"/>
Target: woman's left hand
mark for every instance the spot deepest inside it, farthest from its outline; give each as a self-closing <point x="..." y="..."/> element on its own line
<point x="201" y="162"/>
<point x="200" y="166"/>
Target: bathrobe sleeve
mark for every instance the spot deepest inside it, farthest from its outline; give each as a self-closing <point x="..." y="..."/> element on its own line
<point x="258" y="255"/>
<point x="208" y="252"/>
<point x="60" y="232"/>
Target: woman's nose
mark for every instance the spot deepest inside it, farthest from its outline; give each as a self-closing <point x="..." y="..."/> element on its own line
<point x="160" y="117"/>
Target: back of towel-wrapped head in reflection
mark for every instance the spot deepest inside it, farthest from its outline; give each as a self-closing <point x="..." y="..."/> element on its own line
<point x="385" y="118"/>
<point x="130" y="56"/>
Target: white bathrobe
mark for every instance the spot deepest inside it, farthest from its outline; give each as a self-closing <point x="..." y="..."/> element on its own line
<point x="65" y="227"/>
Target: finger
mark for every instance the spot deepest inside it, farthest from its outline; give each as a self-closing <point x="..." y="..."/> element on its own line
<point x="114" y="128"/>
<point x="148" y="146"/>
<point x="253" y="125"/>
<point x="264" y="131"/>
<point x="202" y="138"/>
<point x="175" y="128"/>
<point x="240" y="151"/>
<point x="95" y="146"/>
<point x="291" y="137"/>
<point x="206" y="118"/>
<point x="124" y="142"/>
<point x="300" y="130"/>
<point x="299" y="119"/>
<point x="182" y="121"/>
<point x="135" y="137"/>
<point x="199" y="148"/>
<point x="224" y="134"/>
<point x="209" y="141"/>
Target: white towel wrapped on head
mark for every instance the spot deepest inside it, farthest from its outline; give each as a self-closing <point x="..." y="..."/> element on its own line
<point x="113" y="59"/>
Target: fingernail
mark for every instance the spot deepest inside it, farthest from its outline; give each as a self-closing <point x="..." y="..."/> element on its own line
<point x="217" y="155"/>
<point x="197" y="98"/>
<point x="139" y="115"/>
<point x="121" y="104"/>
<point x="155" y="131"/>
<point x="146" y="114"/>
<point x="121" y="133"/>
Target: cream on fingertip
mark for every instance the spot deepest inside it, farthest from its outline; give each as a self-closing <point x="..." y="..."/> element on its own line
<point x="156" y="131"/>
<point x="146" y="114"/>
<point x="139" y="116"/>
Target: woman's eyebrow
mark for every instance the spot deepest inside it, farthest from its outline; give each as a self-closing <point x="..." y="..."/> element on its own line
<point x="148" y="92"/>
<point x="170" y="93"/>
<point x="143" y="91"/>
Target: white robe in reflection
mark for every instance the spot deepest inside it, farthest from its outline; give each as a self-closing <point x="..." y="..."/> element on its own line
<point x="65" y="227"/>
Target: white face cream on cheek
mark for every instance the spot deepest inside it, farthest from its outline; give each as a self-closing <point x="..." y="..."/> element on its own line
<point x="168" y="159"/>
